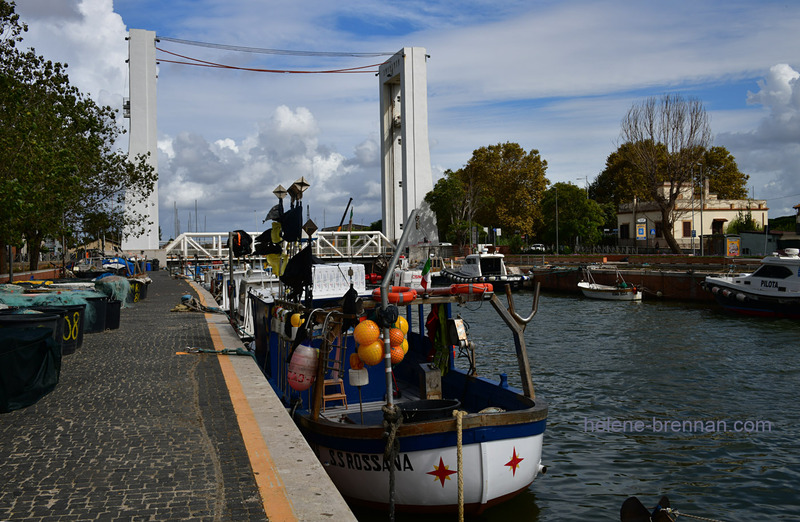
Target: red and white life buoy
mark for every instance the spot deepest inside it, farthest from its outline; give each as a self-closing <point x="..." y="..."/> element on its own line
<point x="397" y="294"/>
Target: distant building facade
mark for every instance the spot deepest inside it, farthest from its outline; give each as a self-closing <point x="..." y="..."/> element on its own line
<point x="696" y="219"/>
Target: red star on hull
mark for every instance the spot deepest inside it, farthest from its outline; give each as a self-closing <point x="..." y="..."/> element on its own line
<point x="514" y="462"/>
<point x="441" y="472"/>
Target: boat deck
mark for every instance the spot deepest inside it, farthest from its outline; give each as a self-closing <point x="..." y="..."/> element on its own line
<point x="368" y="413"/>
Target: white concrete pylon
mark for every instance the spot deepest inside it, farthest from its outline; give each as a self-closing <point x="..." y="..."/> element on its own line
<point x="142" y="137"/>
<point x="406" y="169"/>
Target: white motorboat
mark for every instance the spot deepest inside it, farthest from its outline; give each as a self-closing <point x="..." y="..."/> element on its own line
<point x="773" y="290"/>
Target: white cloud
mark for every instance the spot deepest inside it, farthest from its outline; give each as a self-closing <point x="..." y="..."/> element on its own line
<point x="770" y="153"/>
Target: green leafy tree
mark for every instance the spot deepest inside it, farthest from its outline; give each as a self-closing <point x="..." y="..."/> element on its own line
<point x="571" y="215"/>
<point x="448" y="189"/>
<point x="58" y="164"/>
<point x="620" y="182"/>
<point x="719" y="167"/>
<point x="744" y="222"/>
<point x="511" y="186"/>
<point x="500" y="186"/>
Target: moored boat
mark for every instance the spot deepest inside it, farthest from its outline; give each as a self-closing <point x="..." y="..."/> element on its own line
<point x="773" y="290"/>
<point x="620" y="291"/>
<point x="484" y="267"/>
<point x="395" y="423"/>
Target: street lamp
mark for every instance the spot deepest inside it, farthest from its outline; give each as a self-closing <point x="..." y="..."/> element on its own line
<point x="556" y="187"/>
<point x="692" y="234"/>
<point x="702" y="204"/>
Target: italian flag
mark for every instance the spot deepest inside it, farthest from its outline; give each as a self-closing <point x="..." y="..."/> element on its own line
<point x="426" y="275"/>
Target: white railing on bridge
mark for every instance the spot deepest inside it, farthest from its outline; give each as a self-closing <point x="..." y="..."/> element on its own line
<point x="326" y="245"/>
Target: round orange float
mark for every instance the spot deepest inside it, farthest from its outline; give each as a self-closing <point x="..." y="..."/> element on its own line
<point x="366" y="332"/>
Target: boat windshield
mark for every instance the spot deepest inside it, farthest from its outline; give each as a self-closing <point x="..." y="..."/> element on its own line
<point x="491" y="265"/>
<point x="773" y="272"/>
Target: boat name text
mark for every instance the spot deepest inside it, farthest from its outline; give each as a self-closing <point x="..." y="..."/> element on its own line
<point x="769" y="284"/>
<point x="367" y="461"/>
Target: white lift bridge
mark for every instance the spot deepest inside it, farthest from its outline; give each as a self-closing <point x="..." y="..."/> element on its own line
<point x="212" y="246"/>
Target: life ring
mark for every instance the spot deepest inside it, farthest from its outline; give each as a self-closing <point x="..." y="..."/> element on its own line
<point x="471" y="288"/>
<point x="397" y="294"/>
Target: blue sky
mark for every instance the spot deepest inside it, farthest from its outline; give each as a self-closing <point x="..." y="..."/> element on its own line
<point x="553" y="76"/>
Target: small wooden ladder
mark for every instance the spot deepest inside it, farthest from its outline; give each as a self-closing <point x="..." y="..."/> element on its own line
<point x="333" y="386"/>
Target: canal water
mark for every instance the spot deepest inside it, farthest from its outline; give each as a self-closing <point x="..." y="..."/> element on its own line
<point x="653" y="398"/>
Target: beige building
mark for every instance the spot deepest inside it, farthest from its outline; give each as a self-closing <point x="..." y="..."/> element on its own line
<point x="639" y="223"/>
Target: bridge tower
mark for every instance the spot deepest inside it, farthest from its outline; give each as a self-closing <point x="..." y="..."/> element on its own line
<point x="406" y="168"/>
<point x="142" y="138"/>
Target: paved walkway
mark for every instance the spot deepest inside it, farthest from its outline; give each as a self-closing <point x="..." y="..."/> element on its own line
<point x="134" y="431"/>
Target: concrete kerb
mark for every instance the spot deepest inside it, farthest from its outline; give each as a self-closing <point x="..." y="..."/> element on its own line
<point x="293" y="483"/>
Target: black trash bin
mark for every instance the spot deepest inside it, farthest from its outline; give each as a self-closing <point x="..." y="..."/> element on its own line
<point x="30" y="364"/>
<point x="113" y="314"/>
<point x="69" y="331"/>
<point x="95" y="321"/>
<point x="17" y="319"/>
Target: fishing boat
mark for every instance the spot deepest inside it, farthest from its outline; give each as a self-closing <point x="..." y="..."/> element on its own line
<point x="619" y="291"/>
<point x="370" y="378"/>
<point x="484" y="267"/>
<point x="773" y="290"/>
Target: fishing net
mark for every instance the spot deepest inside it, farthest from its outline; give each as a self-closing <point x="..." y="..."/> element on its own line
<point x="115" y="287"/>
<point x="53" y="297"/>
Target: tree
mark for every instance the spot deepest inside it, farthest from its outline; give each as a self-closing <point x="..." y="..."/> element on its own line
<point x="667" y="137"/>
<point x="725" y="180"/>
<point x="620" y="182"/>
<point x="58" y="164"/>
<point x="579" y="218"/>
<point x="511" y="185"/>
<point x="744" y="222"/>
<point x="447" y="190"/>
<point x="500" y="186"/>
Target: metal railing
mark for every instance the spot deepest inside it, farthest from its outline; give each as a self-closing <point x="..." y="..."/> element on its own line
<point x="325" y="245"/>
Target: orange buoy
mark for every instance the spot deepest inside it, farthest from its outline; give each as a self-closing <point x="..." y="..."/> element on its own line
<point x="371" y="353"/>
<point x="396" y="337"/>
<point x="366" y="332"/>
<point x="397" y="294"/>
<point x="355" y="361"/>
<point x="302" y="368"/>
<point x="397" y="354"/>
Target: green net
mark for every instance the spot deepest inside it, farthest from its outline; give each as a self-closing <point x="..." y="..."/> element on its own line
<point x="115" y="287"/>
<point x="53" y="297"/>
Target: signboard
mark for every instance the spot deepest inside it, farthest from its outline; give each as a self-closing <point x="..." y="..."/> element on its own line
<point x="641" y="231"/>
<point x="732" y="246"/>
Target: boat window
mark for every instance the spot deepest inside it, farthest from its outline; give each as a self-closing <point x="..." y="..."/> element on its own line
<point x="491" y="265"/>
<point x="773" y="272"/>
